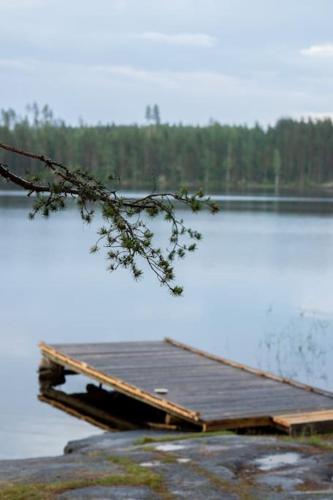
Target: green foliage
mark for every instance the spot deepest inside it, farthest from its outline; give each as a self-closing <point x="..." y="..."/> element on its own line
<point x="164" y="157"/>
<point x="318" y="440"/>
<point x="180" y="437"/>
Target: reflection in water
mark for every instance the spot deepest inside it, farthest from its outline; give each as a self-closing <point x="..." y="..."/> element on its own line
<point x="300" y="350"/>
<point x="106" y="409"/>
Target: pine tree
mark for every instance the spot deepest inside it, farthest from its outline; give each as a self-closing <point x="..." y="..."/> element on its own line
<point x="276" y="169"/>
<point x="148" y="114"/>
<point x="156" y="115"/>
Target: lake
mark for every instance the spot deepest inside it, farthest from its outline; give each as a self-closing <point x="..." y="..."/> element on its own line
<point x="258" y="291"/>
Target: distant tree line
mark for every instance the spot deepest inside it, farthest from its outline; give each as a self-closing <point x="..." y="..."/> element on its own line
<point x="215" y="158"/>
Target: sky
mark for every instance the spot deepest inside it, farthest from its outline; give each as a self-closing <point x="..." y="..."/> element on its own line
<point x="233" y="61"/>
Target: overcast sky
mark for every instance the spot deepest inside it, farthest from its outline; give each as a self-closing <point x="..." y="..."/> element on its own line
<point x="235" y="61"/>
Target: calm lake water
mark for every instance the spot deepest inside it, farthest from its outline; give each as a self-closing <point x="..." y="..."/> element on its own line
<point x="258" y="290"/>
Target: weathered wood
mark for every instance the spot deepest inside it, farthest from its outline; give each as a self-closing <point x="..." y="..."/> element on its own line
<point x="163" y="427"/>
<point x="238" y="423"/>
<point x="112" y="347"/>
<point x="50" y="373"/>
<point x="249" y="369"/>
<point x="305" y="423"/>
<point x="296" y="418"/>
<point x="124" y="387"/>
<point x="206" y="390"/>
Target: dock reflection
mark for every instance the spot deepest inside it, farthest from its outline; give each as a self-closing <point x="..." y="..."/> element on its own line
<point x="108" y="410"/>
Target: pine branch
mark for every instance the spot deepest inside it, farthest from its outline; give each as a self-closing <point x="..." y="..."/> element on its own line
<point x="125" y="240"/>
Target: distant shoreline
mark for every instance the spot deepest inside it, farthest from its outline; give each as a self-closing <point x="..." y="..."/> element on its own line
<point x="256" y="194"/>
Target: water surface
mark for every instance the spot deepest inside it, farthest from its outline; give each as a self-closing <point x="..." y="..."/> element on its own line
<point x="258" y="291"/>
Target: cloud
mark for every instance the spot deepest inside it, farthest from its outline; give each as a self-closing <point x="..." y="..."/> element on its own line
<point x="319" y="51"/>
<point x="16" y="64"/>
<point x="108" y="73"/>
<point x="19" y="4"/>
<point x="184" y="39"/>
<point x="187" y="81"/>
<point x="132" y="73"/>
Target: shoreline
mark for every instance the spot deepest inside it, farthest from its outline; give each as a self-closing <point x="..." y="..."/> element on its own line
<point x="163" y="465"/>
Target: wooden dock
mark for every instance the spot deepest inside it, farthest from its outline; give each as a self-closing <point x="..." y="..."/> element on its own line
<point x="174" y="385"/>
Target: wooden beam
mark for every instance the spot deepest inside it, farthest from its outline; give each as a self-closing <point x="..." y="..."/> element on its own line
<point x="237" y="423"/>
<point x="305" y="423"/>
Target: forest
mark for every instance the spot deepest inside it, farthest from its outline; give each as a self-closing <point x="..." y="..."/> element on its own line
<point x="294" y="154"/>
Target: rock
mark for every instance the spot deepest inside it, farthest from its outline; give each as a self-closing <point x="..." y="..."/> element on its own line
<point x="105" y="493"/>
<point x="149" y="464"/>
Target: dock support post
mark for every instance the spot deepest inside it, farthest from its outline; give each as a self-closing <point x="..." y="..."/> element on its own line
<point x="50" y="373"/>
